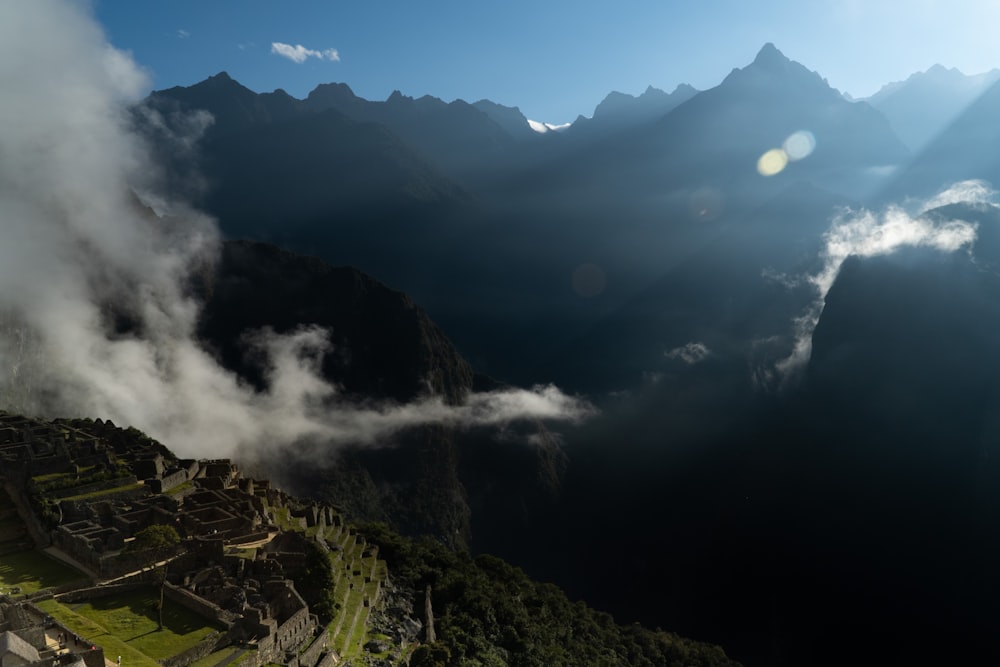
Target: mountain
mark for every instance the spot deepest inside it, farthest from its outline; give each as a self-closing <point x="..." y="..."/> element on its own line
<point x="509" y="118"/>
<point x="233" y="106"/>
<point x="923" y="105"/>
<point x="385" y="346"/>
<point x="965" y="149"/>
<point x="436" y="480"/>
<point x="269" y="168"/>
<point x="744" y="284"/>
<point x="718" y="135"/>
<point x="366" y="183"/>
<point x="779" y="523"/>
<point x="457" y="137"/>
<point x="618" y="110"/>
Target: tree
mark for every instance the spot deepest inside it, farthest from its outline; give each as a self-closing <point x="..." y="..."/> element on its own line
<point x="154" y="537"/>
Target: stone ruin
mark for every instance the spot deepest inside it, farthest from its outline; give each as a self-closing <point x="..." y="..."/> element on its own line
<point x="110" y="483"/>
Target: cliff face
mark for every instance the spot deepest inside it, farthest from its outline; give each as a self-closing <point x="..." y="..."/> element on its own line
<point x="383" y="349"/>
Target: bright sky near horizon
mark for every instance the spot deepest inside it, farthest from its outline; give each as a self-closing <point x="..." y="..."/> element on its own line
<point x="556" y="59"/>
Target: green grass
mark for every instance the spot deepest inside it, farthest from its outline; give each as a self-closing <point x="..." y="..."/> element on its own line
<point x="42" y="479"/>
<point x="98" y="494"/>
<point x="33" y="571"/>
<point x="131" y="620"/>
<point x="212" y="659"/>
<point x="183" y="486"/>
<point x="92" y="632"/>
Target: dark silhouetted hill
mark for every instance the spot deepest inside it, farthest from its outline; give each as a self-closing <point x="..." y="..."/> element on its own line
<point x="456" y="484"/>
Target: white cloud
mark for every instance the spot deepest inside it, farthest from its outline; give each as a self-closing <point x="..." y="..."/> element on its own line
<point x="543" y="128"/>
<point x="691" y="353"/>
<point x="299" y="53"/>
<point x="183" y="34"/>
<point x="865" y="233"/>
<point x="79" y="252"/>
<point x="968" y="192"/>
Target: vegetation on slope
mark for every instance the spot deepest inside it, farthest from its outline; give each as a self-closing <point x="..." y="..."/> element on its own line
<point x="487" y="612"/>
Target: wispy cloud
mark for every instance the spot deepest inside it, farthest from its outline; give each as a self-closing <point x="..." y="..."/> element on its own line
<point x="183" y="34"/>
<point x="866" y="233"/>
<point x="690" y="353"/>
<point x="299" y="53"/>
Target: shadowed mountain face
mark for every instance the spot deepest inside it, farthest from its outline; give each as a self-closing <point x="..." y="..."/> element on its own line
<point x="457" y="136"/>
<point x="384" y="351"/>
<point x="383" y="346"/>
<point x="779" y="525"/>
<point x="268" y="158"/>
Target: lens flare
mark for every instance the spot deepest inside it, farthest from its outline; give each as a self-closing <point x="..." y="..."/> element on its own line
<point x="799" y="145"/>
<point x="772" y="162"/>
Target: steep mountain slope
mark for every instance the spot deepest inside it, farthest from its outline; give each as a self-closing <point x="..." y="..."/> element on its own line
<point x="965" y="149"/>
<point x="735" y="289"/>
<point x="384" y="347"/>
<point x="458" y="137"/>
<point x="509" y="118"/>
<point x="272" y="167"/>
<point x="384" y="351"/>
<point x="233" y="106"/>
<point x="620" y="111"/>
<point x="719" y="134"/>
<point x="927" y="102"/>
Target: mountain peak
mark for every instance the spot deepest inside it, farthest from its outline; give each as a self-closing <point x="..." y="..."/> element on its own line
<point x="772" y="70"/>
<point x="769" y="56"/>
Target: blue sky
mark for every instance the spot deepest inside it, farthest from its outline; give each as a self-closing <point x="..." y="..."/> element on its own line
<point x="553" y="59"/>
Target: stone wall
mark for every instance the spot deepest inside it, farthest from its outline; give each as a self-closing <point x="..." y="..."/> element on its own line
<point x="198" y="605"/>
<point x="171" y="479"/>
<point x="247" y="538"/>
<point x="329" y="659"/>
<point x="95" y="592"/>
<point x="209" y="644"/>
<point x="311" y="655"/>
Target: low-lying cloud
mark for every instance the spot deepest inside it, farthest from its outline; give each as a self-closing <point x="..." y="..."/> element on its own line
<point x="95" y="318"/>
<point x="299" y="54"/>
<point x="865" y="233"/>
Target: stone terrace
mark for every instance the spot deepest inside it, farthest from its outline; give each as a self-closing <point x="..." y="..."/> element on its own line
<point x="95" y="486"/>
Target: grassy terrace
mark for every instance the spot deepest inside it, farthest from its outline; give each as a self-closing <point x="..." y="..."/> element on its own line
<point x="33" y="570"/>
<point x="348" y="629"/>
<point x="105" y="492"/>
<point x="126" y="625"/>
